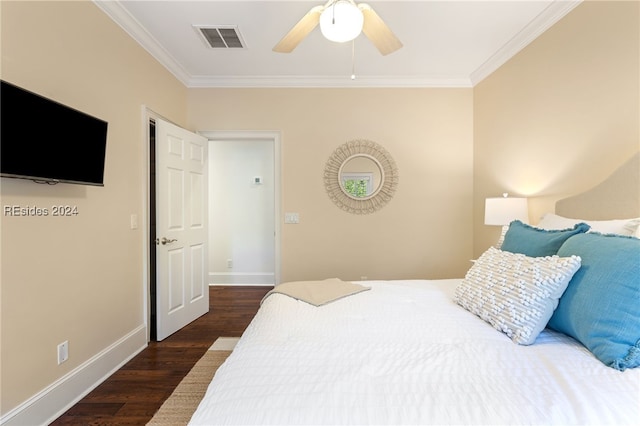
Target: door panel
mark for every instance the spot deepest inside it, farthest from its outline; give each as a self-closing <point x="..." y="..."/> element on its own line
<point x="198" y="283"/>
<point x="181" y="228"/>
<point x="175" y="278"/>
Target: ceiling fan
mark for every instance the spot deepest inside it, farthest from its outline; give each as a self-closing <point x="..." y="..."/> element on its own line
<point x="342" y="20"/>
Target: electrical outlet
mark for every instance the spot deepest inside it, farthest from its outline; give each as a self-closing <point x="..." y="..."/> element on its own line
<point x="230" y="263"/>
<point x="292" y="218"/>
<point x="63" y="352"/>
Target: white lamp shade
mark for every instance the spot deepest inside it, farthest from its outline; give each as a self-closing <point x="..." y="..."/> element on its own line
<point x="342" y="21"/>
<point x="504" y="210"/>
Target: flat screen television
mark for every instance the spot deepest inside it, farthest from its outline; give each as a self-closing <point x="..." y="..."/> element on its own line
<point x="45" y="141"/>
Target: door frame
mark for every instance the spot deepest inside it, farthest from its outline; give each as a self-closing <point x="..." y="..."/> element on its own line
<point x="275" y="138"/>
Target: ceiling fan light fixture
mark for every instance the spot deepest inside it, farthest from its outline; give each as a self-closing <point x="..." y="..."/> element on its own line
<point x="341" y="21"/>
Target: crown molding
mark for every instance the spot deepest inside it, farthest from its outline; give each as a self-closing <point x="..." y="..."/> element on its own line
<point x="297" y="81"/>
<point x="545" y="20"/>
<point x="132" y="26"/>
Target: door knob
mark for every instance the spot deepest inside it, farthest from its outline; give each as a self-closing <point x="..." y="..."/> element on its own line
<point x="165" y="240"/>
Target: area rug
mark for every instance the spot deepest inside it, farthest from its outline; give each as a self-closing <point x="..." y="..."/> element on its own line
<point x="180" y="406"/>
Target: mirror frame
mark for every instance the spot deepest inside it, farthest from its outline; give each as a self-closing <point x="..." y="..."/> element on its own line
<point x="381" y="195"/>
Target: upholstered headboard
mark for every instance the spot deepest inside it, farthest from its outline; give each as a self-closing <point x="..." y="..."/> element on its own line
<point x="618" y="197"/>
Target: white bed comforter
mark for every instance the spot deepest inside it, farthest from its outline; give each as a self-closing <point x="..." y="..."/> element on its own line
<point x="404" y="353"/>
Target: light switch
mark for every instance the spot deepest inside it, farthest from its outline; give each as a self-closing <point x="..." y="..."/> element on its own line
<point x="134" y="221"/>
<point x="291" y="218"/>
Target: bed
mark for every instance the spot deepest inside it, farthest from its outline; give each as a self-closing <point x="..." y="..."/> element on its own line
<point x="555" y="342"/>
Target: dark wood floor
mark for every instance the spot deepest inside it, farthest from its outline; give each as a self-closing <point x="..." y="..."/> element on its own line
<point x="133" y="394"/>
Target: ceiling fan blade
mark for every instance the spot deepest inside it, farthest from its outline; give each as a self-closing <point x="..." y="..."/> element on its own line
<point x="378" y="32"/>
<point x="299" y="31"/>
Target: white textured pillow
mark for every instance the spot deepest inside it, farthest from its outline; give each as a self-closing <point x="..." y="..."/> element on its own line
<point x="503" y="232"/>
<point x="516" y="294"/>
<point x="615" y="226"/>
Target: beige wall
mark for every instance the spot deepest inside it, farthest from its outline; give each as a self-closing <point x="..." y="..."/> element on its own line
<point x="78" y="278"/>
<point x="424" y="232"/>
<point x="560" y="116"/>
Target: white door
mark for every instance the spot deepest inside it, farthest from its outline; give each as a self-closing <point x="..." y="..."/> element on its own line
<point x="182" y="291"/>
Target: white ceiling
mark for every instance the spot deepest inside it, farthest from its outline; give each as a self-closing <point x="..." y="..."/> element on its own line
<point x="447" y="43"/>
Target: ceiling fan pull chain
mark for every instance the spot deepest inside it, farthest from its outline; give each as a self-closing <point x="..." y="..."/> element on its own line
<point x="353" y="59"/>
<point x="333" y="13"/>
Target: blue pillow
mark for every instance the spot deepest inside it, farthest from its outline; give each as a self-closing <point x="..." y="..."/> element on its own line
<point x="536" y="242"/>
<point x="601" y="306"/>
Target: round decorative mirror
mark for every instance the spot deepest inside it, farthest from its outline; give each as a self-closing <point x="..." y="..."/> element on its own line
<point x="360" y="177"/>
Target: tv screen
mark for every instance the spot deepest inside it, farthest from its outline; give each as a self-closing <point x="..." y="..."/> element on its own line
<point x="46" y="141"/>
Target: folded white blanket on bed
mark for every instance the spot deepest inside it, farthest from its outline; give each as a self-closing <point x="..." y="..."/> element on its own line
<point x="318" y="293"/>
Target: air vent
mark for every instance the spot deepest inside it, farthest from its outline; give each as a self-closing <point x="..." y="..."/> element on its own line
<point x="221" y="37"/>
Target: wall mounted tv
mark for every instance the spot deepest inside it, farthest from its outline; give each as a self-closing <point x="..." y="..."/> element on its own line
<point x="48" y="142"/>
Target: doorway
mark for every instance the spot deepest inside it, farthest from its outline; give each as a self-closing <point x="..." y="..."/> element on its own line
<point x="150" y="209"/>
<point x="244" y="208"/>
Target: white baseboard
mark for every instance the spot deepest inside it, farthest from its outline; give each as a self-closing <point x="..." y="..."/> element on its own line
<point x="47" y="405"/>
<point x="240" y="285"/>
<point x="241" y="278"/>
